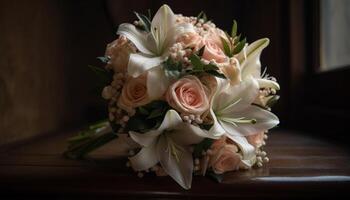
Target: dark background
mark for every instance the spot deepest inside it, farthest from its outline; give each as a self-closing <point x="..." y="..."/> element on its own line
<point x="45" y="47"/>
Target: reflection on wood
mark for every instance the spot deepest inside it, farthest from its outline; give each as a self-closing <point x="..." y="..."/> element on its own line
<point x="298" y="166"/>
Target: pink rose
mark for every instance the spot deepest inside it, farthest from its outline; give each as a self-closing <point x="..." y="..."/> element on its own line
<point x="225" y="159"/>
<point x="119" y="52"/>
<point x="212" y="51"/>
<point x="134" y="93"/>
<point x="210" y="84"/>
<point x="215" y="35"/>
<point x="187" y="95"/>
<point x="256" y="140"/>
<point x="191" y="40"/>
<point x="218" y="144"/>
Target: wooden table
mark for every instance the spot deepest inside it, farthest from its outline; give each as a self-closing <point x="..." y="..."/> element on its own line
<point x="299" y="166"/>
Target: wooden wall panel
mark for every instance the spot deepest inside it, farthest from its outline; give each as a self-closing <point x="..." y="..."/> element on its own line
<point x="45" y="47"/>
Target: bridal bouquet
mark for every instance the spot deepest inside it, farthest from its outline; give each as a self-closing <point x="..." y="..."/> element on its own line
<point x="191" y="97"/>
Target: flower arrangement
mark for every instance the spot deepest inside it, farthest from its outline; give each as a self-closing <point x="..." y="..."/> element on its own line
<point x="190" y="96"/>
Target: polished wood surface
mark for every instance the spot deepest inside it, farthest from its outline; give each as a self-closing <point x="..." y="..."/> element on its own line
<point x="299" y="166"/>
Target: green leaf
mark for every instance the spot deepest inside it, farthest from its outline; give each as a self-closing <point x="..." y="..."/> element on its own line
<point x="234" y="29"/>
<point x="200" y="15"/>
<point x="203" y="16"/>
<point x="149" y="13"/>
<point x="148" y="117"/>
<point x="237" y="39"/>
<point x="200" y="51"/>
<point x="104" y="76"/>
<point x="145" y="21"/>
<point x="196" y="62"/>
<point x="210" y="66"/>
<point x="205" y="126"/>
<point x="227" y="49"/>
<point x="143" y="110"/>
<point x="216" y="73"/>
<point x="239" y="46"/>
<point x="171" y="65"/>
<point x="202" y="146"/>
<point x="139" y="124"/>
<point x="156" y="113"/>
<point x="216" y="177"/>
<point x="104" y="59"/>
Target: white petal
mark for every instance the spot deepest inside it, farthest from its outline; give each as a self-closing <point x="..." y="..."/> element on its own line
<point x="250" y="64"/>
<point x="139" y="63"/>
<point x="157" y="82"/>
<point x="144" y="139"/>
<point x="144" y="159"/>
<point x="175" y="31"/>
<point x="187" y="134"/>
<point x="237" y="97"/>
<point x="264" y="120"/>
<point x="140" y="39"/>
<point x="248" y="151"/>
<point x="265" y="83"/>
<point x="216" y="130"/>
<point x="162" y="21"/>
<point x="171" y="120"/>
<point x="180" y="168"/>
<point x="219" y="96"/>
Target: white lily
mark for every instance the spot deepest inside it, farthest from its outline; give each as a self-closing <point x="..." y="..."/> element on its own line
<point x="235" y="116"/>
<point x="249" y="60"/>
<point x="169" y="146"/>
<point x="153" y="46"/>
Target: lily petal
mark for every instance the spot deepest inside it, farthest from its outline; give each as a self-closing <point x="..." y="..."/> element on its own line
<point x="250" y="59"/>
<point x="264" y="120"/>
<point x="157" y="82"/>
<point x="171" y="120"/>
<point x="237" y="97"/>
<point x="139" y="63"/>
<point x="180" y="168"/>
<point x="144" y="139"/>
<point x="265" y="83"/>
<point x="175" y="31"/>
<point x="187" y="134"/>
<point x="145" y="158"/>
<point x="162" y="21"/>
<point x="216" y="130"/>
<point x="248" y="150"/>
<point x="139" y="38"/>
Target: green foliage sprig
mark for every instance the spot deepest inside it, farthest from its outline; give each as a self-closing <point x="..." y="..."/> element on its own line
<point x="232" y="43"/>
<point x="148" y="117"/>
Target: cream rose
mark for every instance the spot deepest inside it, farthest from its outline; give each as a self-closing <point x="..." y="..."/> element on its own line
<point x="119" y="52"/>
<point x="134" y="93"/>
<point x="213" y="52"/>
<point x="191" y="40"/>
<point x="231" y="70"/>
<point x="188" y="96"/>
<point x="225" y="159"/>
